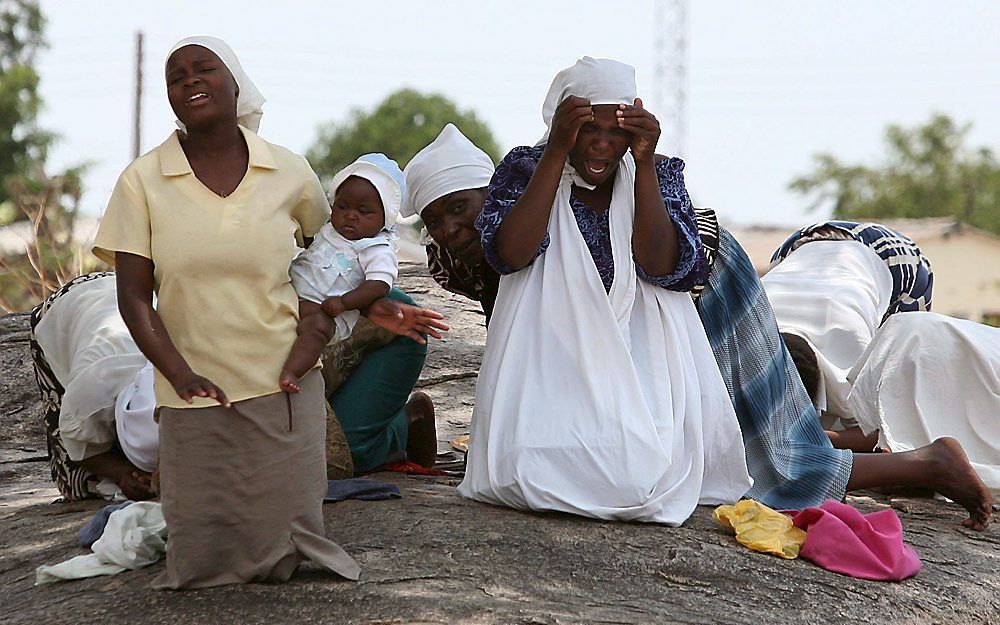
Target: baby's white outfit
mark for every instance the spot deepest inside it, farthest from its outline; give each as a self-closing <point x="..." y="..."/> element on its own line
<point x="334" y="265"/>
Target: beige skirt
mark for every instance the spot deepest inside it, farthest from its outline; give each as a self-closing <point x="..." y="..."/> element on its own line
<point x="242" y="490"/>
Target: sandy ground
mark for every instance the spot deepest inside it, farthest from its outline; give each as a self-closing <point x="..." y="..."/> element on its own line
<point x="432" y="557"/>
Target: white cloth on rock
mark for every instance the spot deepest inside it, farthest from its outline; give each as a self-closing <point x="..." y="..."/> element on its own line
<point x="927" y="375"/>
<point x="92" y="354"/>
<point x="133" y="538"/>
<point x="833" y="294"/>
<point x="606" y="405"/>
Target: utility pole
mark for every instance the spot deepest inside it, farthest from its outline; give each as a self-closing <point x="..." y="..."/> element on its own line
<point x="137" y="129"/>
<point x="670" y="26"/>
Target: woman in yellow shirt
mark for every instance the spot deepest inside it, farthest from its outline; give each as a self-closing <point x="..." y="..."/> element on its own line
<point x="209" y="221"/>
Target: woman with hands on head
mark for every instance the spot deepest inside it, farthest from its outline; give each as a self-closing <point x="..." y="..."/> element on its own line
<point x="598" y="394"/>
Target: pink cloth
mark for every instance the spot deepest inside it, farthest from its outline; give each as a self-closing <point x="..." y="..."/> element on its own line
<point x="870" y="546"/>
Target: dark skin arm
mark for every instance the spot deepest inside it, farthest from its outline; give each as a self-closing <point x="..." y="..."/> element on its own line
<point x="356" y="299"/>
<point x="134" y="279"/>
<point x="854" y="439"/>
<point x="523" y="229"/>
<point x="654" y="238"/>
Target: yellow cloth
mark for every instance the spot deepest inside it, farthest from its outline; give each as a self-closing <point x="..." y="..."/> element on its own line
<point x="761" y="528"/>
<point x="221" y="264"/>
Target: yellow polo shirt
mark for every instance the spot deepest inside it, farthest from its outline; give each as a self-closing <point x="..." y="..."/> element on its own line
<point x="220" y="264"/>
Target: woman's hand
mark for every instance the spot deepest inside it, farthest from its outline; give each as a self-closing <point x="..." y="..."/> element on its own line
<point x="136" y="485"/>
<point x="570" y="115"/>
<point x="333" y="306"/>
<point x="192" y="385"/>
<point x="644" y="127"/>
<point x="406" y="320"/>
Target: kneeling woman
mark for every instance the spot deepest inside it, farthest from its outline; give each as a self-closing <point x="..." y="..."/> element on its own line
<point x="598" y="394"/>
<point x="208" y="220"/>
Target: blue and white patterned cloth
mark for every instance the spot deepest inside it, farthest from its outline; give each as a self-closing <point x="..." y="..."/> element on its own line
<point x="790" y="458"/>
<point x="511" y="179"/>
<point x="912" y="277"/>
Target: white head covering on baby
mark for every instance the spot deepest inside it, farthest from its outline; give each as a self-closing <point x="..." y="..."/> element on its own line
<point x="602" y="81"/>
<point x="450" y="163"/>
<point x="249" y="100"/>
<point x="384" y="174"/>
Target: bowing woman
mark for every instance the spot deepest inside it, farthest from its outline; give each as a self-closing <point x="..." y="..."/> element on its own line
<point x="209" y="221"/>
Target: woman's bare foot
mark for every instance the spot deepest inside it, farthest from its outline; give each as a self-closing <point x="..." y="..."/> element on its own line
<point x="289" y="382"/>
<point x="954" y="477"/>
<point x="421" y="446"/>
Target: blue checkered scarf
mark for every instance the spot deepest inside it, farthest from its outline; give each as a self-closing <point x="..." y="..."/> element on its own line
<point x="789" y="456"/>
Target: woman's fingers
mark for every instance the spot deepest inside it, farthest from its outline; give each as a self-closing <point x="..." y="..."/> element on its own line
<point x="429" y="331"/>
<point x="643" y="126"/>
<point x="572" y="101"/>
<point x="632" y="112"/>
<point x="427" y="313"/>
<point x="219" y="396"/>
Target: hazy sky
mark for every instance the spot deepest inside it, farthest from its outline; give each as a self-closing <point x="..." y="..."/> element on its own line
<point x="770" y="83"/>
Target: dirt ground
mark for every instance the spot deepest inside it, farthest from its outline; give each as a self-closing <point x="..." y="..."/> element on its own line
<point x="432" y="557"/>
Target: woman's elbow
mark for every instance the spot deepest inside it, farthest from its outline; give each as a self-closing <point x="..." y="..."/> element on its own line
<point x="510" y="259"/>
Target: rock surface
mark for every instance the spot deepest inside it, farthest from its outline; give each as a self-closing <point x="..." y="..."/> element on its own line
<point x="432" y="557"/>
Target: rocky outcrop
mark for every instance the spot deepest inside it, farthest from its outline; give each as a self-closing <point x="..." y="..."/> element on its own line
<point x="432" y="557"/>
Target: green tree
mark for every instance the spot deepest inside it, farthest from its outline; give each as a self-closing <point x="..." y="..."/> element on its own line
<point x="46" y="205"/>
<point x="399" y="127"/>
<point x="929" y="172"/>
<point x="22" y="143"/>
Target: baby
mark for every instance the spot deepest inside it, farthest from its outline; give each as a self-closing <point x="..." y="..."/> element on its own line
<point x="350" y="264"/>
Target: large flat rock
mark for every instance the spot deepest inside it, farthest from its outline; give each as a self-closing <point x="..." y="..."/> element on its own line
<point x="432" y="557"/>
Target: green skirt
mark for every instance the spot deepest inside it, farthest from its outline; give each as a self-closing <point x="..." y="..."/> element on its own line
<point x="369" y="378"/>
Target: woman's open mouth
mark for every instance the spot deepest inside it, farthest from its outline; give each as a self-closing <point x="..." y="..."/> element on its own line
<point x="596" y="168"/>
<point x="197" y="99"/>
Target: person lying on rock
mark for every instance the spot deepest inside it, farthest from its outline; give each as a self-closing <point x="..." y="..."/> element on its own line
<point x="831" y="285"/>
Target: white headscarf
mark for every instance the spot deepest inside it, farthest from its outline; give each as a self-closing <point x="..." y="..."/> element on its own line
<point x="602" y="81"/>
<point x="249" y="101"/>
<point x="384" y="174"/>
<point x="450" y="163"/>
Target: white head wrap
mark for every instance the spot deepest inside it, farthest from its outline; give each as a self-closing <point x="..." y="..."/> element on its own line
<point x="384" y="174"/>
<point x="249" y="101"/>
<point x="602" y="81"/>
<point x="450" y="163"/>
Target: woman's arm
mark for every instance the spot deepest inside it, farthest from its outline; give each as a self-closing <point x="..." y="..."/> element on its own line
<point x="654" y="238"/>
<point x="134" y="279"/>
<point x="523" y="229"/>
